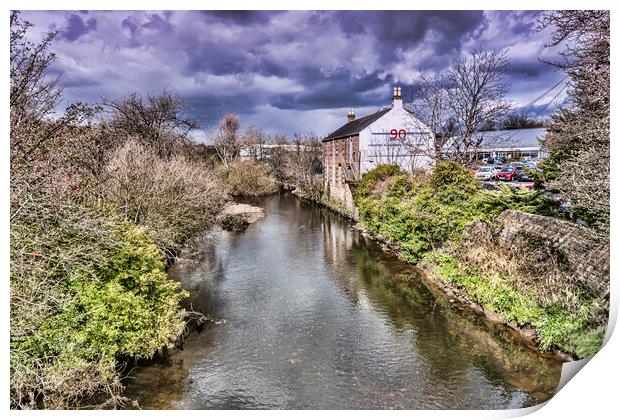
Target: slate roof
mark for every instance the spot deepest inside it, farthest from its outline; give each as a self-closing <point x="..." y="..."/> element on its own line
<point x="357" y="125"/>
<point x="511" y="139"/>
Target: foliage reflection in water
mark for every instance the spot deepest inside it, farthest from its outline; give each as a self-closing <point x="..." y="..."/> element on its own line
<point x="319" y="317"/>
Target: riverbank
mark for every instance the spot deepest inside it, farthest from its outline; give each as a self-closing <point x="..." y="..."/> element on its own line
<point x="537" y="292"/>
<point x="461" y="299"/>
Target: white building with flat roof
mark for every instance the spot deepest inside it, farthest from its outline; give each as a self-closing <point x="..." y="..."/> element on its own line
<point x="511" y="144"/>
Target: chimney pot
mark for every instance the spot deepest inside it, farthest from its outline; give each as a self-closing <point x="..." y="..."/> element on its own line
<point x="351" y="115"/>
<point x="397" y="98"/>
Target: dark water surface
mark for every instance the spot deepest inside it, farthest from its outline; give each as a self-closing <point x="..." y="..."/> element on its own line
<point x="317" y="316"/>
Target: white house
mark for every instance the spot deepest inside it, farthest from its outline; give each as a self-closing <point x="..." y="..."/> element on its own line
<point x="390" y="135"/>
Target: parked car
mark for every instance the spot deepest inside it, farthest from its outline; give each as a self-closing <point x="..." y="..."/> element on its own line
<point x="486" y="173"/>
<point x="508" y="173"/>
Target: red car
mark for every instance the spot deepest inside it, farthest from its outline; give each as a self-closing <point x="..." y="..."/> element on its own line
<point x="507" y="173"/>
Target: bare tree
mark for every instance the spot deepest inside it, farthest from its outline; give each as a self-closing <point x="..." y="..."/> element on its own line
<point x="470" y="97"/>
<point x="515" y="120"/>
<point x="476" y="97"/>
<point x="278" y="159"/>
<point x="253" y="141"/>
<point x="159" y="120"/>
<point x="228" y="142"/>
<point x="33" y="96"/>
<point x="433" y="109"/>
<point x="305" y="163"/>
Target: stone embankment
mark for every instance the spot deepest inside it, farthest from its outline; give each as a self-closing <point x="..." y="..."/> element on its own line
<point x="586" y="251"/>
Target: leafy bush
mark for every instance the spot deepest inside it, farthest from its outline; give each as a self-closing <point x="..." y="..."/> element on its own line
<point x="419" y="215"/>
<point x="85" y="290"/>
<point x="371" y="178"/>
<point x="495" y="202"/>
<point x="451" y="181"/>
<point x="248" y="178"/>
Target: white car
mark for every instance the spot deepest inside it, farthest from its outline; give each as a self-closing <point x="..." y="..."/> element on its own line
<point x="486" y="173"/>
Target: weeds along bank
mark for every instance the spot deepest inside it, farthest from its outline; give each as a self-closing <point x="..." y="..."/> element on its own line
<point x="89" y="287"/>
<point x="457" y="232"/>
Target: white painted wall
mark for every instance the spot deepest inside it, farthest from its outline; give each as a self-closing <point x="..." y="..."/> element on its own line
<point x="377" y="148"/>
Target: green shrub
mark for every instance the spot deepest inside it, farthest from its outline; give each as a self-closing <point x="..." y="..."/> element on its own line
<point x="401" y="187"/>
<point x="418" y="216"/>
<point x="86" y="291"/>
<point x="451" y="181"/>
<point x="494" y="202"/>
<point x="371" y="178"/>
<point x="130" y="308"/>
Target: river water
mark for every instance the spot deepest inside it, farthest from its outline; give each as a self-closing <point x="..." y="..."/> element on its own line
<point x="317" y="316"/>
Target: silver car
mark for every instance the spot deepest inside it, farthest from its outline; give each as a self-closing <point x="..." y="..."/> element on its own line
<point x="486" y="173"/>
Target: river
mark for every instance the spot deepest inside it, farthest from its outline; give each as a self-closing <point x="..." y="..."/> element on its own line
<point x="317" y="316"/>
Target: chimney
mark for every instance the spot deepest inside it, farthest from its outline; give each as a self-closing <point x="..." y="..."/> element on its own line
<point x="397" y="98"/>
<point x="351" y="115"/>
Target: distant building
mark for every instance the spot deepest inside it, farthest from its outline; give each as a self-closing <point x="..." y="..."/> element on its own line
<point x="511" y="144"/>
<point x="390" y="135"/>
<point x="266" y="151"/>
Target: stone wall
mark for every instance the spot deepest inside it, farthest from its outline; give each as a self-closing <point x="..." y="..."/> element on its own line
<point x="586" y="251"/>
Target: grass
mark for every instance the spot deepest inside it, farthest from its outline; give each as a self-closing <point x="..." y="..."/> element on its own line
<point x="555" y="326"/>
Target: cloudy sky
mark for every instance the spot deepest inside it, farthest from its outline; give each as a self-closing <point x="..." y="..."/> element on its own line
<point x="286" y="71"/>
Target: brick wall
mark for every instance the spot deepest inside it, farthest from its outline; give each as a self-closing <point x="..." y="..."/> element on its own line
<point x="336" y="155"/>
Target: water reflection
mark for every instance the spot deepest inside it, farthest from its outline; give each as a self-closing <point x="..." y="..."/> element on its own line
<point x="319" y="317"/>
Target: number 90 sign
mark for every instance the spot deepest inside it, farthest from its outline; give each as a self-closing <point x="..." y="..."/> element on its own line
<point x="398" y="134"/>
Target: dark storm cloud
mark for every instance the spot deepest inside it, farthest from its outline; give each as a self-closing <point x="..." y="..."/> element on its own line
<point x="130" y="25"/>
<point x="241" y="17"/>
<point x="395" y="30"/>
<point x="527" y="68"/>
<point x="337" y="90"/>
<point x="213" y="105"/>
<point x="257" y="62"/>
<point x="76" y="27"/>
